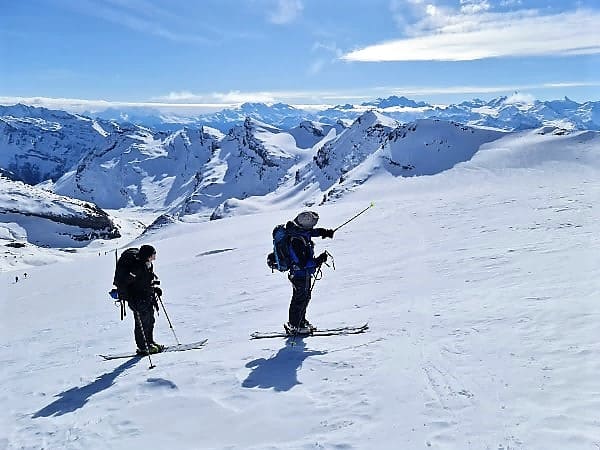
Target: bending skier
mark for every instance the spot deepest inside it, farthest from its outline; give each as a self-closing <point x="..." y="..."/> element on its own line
<point x="138" y="285"/>
<point x="303" y="266"/>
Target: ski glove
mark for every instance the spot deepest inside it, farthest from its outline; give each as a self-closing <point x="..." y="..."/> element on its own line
<point x="158" y="291"/>
<point x="321" y="258"/>
<point x="327" y="233"/>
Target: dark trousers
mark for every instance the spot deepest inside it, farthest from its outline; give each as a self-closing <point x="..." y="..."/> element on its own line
<point x="143" y="315"/>
<point x="300" y="299"/>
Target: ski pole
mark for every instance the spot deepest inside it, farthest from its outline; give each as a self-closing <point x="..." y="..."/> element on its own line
<point x="137" y="316"/>
<point x="169" y="320"/>
<point x="351" y="219"/>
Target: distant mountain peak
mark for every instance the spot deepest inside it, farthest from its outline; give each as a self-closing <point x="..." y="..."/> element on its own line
<point x="395" y="101"/>
<point x="372" y="117"/>
<point x="498" y="101"/>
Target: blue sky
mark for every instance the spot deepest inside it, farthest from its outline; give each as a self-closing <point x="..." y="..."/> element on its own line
<point x="88" y="54"/>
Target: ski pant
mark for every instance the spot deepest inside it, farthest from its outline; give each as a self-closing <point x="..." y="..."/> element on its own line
<point x="300" y="298"/>
<point x="143" y="315"/>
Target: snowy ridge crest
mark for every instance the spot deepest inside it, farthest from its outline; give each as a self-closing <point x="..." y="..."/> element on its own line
<point x="48" y="219"/>
<point x="203" y="172"/>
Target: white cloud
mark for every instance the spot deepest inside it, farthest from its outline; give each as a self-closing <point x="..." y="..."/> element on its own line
<point x="82" y="105"/>
<point x="231" y="97"/>
<point x="466" y="37"/>
<point x="286" y="11"/>
<point x="474" y="6"/>
<point x="519" y="97"/>
<point x="507" y="3"/>
<point x="406" y="11"/>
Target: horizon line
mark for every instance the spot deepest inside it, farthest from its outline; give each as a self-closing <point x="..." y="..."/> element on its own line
<point x="98" y="105"/>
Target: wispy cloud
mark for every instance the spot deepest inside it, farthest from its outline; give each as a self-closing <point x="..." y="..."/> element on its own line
<point x="441" y="35"/>
<point x="316" y="66"/>
<point x="286" y="11"/>
<point x="185" y="100"/>
<point x="230" y="97"/>
<point x="144" y="17"/>
<point x="329" y="53"/>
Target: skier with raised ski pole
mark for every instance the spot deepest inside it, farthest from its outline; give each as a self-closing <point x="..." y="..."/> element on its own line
<point x="302" y="264"/>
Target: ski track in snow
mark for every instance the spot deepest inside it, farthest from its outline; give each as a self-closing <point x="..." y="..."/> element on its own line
<point x="480" y="290"/>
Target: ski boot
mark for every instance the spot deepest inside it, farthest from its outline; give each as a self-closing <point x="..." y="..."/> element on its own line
<point x="156" y="348"/>
<point x="293" y="330"/>
<point x="153" y="348"/>
<point x="310" y="326"/>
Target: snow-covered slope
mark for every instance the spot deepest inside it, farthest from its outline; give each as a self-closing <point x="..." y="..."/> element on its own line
<point x="427" y="146"/>
<point x="32" y="215"/>
<point x="373" y="144"/>
<point x="278" y="114"/>
<point x="255" y="159"/>
<point x="512" y="114"/>
<point x="479" y="285"/>
<point x="350" y="149"/>
<point x="202" y="172"/>
<point x="139" y="167"/>
<point x="365" y="135"/>
<point x="147" y="117"/>
<point x="38" y="144"/>
<point x="308" y="133"/>
<point x="424" y="147"/>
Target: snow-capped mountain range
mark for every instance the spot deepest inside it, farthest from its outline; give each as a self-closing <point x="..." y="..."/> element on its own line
<point x="508" y="113"/>
<point x="199" y="172"/>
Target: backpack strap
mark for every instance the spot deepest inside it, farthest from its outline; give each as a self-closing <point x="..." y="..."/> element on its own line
<point x="305" y="238"/>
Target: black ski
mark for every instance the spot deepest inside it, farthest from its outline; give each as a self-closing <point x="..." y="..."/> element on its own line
<point x="317" y="332"/>
<point x="170" y="348"/>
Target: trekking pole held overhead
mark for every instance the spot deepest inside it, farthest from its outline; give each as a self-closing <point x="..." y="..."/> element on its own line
<point x="352" y="218"/>
<point x="169" y="320"/>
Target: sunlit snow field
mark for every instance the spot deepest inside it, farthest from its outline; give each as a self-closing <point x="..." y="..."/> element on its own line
<point x="480" y="286"/>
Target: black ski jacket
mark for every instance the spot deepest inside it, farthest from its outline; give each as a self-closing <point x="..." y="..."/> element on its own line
<point x="140" y="286"/>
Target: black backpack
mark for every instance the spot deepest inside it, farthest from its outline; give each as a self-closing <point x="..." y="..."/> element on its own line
<point x="279" y="259"/>
<point x="124" y="266"/>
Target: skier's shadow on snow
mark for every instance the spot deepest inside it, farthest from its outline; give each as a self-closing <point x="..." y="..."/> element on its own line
<point x="75" y="398"/>
<point x="280" y="371"/>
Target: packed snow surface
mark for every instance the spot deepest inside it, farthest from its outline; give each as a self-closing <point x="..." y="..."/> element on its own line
<point x="479" y="284"/>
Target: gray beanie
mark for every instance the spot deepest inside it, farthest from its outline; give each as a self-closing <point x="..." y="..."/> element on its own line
<point x="306" y="219"/>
